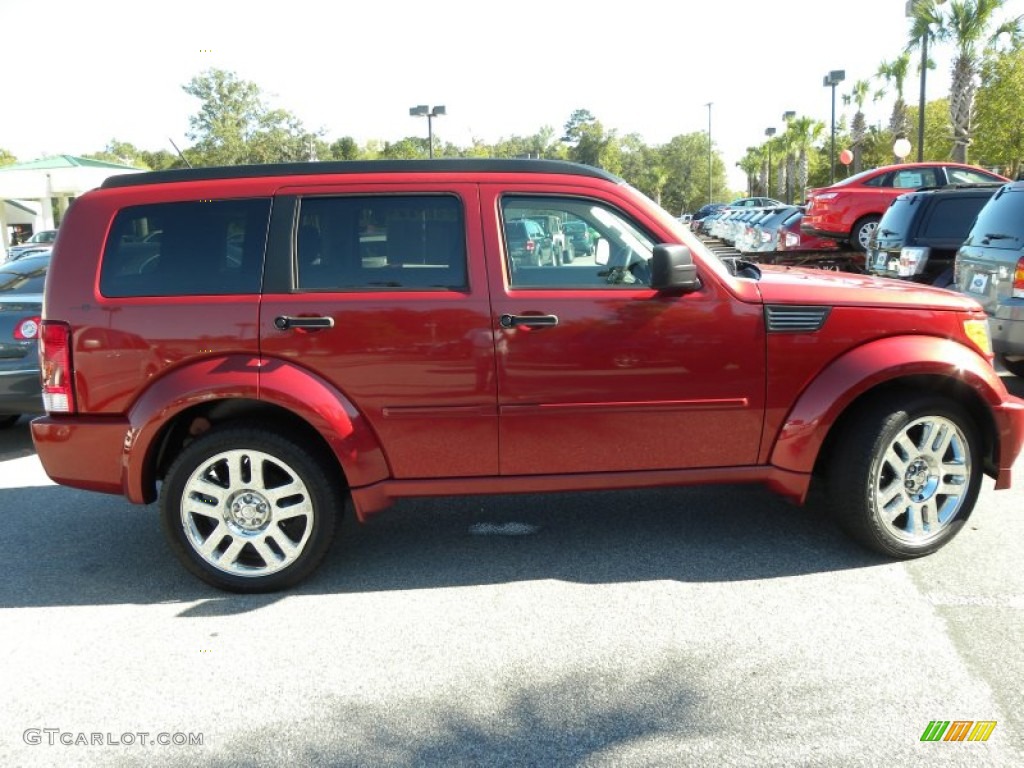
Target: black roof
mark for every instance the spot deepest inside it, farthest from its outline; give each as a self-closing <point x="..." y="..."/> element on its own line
<point x="447" y="165"/>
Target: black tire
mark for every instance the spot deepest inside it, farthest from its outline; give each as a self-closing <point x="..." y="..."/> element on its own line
<point x="221" y="495"/>
<point x="1016" y="367"/>
<point x="9" y="420"/>
<point x="861" y="232"/>
<point x="894" y="487"/>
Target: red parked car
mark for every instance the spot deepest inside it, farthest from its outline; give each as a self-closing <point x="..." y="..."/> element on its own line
<point x="311" y="337"/>
<point x="849" y="210"/>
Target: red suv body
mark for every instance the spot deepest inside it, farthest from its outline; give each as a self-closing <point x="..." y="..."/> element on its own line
<point x="301" y="335"/>
<point x="849" y="210"/>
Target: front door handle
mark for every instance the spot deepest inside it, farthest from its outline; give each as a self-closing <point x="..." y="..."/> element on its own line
<point x="530" y="321"/>
<point x="284" y="322"/>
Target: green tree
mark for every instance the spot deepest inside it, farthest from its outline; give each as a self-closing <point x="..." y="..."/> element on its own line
<point x="6" y="158"/>
<point x="938" y="140"/>
<point x="590" y="144"/>
<point x="894" y="73"/>
<point x="859" y="129"/>
<point x="803" y="133"/>
<point x="1000" y="138"/>
<point x="235" y="126"/>
<point x="972" y="26"/>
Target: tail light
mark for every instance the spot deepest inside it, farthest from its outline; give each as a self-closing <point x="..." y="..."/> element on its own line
<point x="530" y="245"/>
<point x="27" y="329"/>
<point x="55" y="363"/>
<point x="1018" y="280"/>
<point x="792" y="240"/>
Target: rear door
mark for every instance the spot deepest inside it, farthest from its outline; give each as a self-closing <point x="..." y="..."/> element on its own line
<point x="987" y="262"/>
<point x="372" y="287"/>
<point x="597" y="372"/>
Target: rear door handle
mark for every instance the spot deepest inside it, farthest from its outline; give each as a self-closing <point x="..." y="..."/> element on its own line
<point x="284" y="322"/>
<point x="530" y="321"/>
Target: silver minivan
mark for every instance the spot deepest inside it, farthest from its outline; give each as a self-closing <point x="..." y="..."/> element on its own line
<point x="990" y="268"/>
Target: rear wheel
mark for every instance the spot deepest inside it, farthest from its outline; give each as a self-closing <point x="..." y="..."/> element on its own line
<point x="861" y="233"/>
<point x="905" y="474"/>
<point x="248" y="510"/>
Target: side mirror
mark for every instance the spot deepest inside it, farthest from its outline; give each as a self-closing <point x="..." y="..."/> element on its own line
<point x="672" y="269"/>
<point x="603" y="252"/>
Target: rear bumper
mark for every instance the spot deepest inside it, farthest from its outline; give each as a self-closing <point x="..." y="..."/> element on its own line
<point x="1006" y="328"/>
<point x="83" y="452"/>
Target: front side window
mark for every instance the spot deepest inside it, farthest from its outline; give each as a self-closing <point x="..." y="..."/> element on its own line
<point x="593" y="245"/>
<point x="195" y="248"/>
<point x="401" y="242"/>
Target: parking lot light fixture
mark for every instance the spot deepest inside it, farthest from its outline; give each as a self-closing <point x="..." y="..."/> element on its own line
<point x="831" y="80"/>
<point x="430" y="113"/>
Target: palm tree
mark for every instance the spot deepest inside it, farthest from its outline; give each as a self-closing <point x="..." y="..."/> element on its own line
<point x="804" y="132"/>
<point x="895" y="73"/>
<point x="968" y="26"/>
<point x="858" y="130"/>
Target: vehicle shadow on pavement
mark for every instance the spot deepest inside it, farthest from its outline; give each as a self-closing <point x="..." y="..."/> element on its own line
<point x="78" y="548"/>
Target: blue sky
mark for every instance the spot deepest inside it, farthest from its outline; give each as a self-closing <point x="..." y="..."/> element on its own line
<point x="90" y="72"/>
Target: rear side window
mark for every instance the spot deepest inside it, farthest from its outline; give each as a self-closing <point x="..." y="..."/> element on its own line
<point x="409" y="242"/>
<point x="951" y="218"/>
<point x="191" y="248"/>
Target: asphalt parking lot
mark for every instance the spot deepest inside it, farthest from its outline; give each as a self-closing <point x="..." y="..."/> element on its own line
<point x="704" y="626"/>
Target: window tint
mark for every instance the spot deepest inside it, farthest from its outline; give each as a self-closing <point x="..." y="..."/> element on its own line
<point x="186" y="249"/>
<point x="968" y="176"/>
<point x="378" y="243"/>
<point x="897" y="217"/>
<point x="951" y="218"/>
<point x="27" y="275"/>
<point x="1000" y="223"/>
<point x="596" y="246"/>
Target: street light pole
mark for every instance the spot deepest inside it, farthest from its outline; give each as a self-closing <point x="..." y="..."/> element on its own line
<point x="711" y="197"/>
<point x="769" y="132"/>
<point x="430" y="113"/>
<point x="832" y="79"/>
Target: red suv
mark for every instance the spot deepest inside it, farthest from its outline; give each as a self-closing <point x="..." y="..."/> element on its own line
<point x="850" y="209"/>
<point x="303" y="335"/>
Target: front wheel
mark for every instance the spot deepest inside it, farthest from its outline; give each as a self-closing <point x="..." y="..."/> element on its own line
<point x="906" y="474"/>
<point x="862" y="231"/>
<point x="248" y="510"/>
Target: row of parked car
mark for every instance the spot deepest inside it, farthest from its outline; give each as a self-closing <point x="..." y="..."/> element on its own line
<point x="944" y="224"/>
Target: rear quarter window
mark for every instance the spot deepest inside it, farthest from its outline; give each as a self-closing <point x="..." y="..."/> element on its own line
<point x="190" y="248"/>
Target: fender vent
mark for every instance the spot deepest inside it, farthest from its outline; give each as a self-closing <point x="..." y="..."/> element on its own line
<point x="784" y="319"/>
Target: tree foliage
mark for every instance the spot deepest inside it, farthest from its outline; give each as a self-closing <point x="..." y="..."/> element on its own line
<point x="234" y="125"/>
<point x="1000" y="135"/>
<point x="6" y="158"/>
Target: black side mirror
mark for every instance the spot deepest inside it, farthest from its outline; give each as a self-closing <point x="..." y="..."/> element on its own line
<point x="672" y="269"/>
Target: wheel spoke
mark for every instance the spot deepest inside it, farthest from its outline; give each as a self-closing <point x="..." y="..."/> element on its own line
<point x="249" y="502"/>
<point x="270" y="557"/>
<point x="231" y="554"/>
<point x="213" y="541"/>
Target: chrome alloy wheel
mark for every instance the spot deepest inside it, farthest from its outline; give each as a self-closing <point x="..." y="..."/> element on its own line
<point x="246" y="512"/>
<point x="922" y="480"/>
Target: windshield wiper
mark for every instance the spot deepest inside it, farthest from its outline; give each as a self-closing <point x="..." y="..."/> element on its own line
<point x="999" y="236"/>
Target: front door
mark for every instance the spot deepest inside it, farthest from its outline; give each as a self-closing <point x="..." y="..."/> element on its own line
<point x="597" y="372"/>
